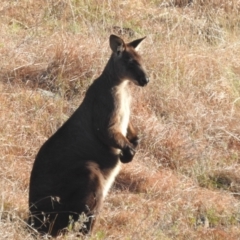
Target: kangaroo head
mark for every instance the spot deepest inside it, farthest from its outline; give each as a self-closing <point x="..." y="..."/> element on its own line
<point x="127" y="62"/>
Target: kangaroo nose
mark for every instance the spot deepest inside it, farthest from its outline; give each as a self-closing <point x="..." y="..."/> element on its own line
<point x="144" y="81"/>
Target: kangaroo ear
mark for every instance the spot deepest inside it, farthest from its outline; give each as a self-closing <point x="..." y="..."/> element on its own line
<point x="117" y="44"/>
<point x="135" y="43"/>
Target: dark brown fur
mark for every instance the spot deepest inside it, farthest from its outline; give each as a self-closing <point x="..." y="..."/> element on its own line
<point x="75" y="167"/>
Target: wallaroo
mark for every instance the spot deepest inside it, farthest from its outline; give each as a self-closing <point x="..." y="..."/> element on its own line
<point x="77" y="165"/>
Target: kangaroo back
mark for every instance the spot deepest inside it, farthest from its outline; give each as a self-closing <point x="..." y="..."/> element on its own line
<point x="75" y="168"/>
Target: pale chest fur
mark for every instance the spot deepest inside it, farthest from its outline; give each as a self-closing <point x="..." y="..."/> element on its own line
<point x="123" y="108"/>
<point x="122" y="116"/>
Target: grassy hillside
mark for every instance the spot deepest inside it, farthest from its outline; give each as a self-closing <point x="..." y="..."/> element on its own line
<point x="184" y="182"/>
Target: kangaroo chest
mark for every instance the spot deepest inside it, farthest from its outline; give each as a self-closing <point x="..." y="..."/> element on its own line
<point x="120" y="122"/>
<point x="122" y="111"/>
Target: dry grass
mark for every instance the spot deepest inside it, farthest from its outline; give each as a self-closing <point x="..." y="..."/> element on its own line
<point x="184" y="182"/>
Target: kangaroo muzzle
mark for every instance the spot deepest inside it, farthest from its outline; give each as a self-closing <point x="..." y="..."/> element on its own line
<point x="143" y="81"/>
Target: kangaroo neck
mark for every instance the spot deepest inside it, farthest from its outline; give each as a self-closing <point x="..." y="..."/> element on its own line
<point x="110" y="75"/>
